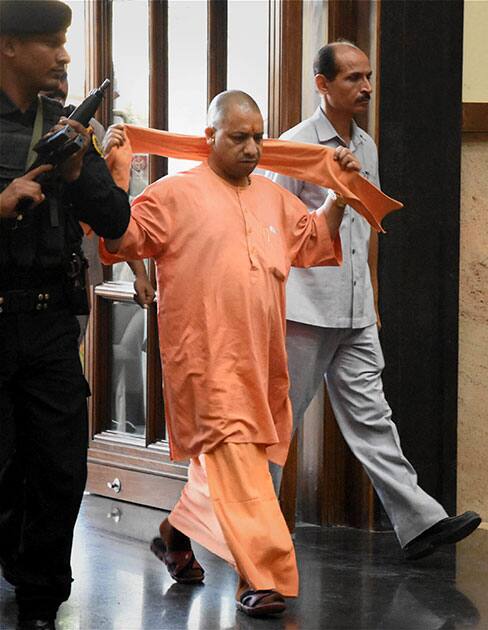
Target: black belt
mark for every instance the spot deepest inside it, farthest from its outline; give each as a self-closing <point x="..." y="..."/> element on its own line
<point x="32" y="300"/>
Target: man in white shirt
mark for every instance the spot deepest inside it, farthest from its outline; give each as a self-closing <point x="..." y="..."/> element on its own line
<point x="331" y="320"/>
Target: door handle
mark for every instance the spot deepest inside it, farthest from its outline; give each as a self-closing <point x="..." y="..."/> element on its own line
<point x="115" y="485"/>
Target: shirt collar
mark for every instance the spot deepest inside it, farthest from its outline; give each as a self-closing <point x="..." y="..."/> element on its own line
<point x="8" y="107"/>
<point x="326" y="131"/>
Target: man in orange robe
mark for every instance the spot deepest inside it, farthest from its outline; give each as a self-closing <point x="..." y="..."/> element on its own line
<point x="223" y="243"/>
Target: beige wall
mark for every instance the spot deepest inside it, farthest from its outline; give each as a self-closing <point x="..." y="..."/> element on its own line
<point x="475" y="76"/>
<point x="473" y="328"/>
<point x="473" y="313"/>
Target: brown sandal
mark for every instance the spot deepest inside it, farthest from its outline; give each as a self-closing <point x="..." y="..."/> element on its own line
<point x="182" y="565"/>
<point x="261" y="603"/>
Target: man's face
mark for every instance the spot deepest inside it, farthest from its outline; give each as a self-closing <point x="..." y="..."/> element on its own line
<point x="237" y="143"/>
<point x="40" y="61"/>
<point x="350" y="91"/>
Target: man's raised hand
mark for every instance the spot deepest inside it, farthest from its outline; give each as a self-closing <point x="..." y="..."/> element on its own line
<point x="115" y="137"/>
<point x="346" y="159"/>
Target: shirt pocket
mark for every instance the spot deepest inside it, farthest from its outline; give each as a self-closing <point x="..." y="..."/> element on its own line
<point x="273" y="249"/>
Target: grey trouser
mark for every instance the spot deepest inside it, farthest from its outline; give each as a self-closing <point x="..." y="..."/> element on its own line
<point x="351" y="361"/>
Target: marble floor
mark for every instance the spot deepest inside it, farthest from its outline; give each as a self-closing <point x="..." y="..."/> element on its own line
<point x="350" y="580"/>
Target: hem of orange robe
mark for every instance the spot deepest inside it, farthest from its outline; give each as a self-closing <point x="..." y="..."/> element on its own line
<point x="288" y="595"/>
<point x="280" y="458"/>
<point x="269" y="586"/>
<point x="206" y="542"/>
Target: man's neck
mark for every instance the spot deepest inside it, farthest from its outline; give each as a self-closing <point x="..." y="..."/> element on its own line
<point x="240" y="182"/>
<point x="342" y="122"/>
<point x="20" y="95"/>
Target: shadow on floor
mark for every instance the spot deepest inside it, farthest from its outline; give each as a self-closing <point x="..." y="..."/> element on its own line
<point x="350" y="580"/>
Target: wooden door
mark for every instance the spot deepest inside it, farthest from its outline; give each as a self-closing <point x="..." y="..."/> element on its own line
<point x="166" y="60"/>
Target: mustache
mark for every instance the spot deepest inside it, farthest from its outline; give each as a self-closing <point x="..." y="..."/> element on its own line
<point x="365" y="98"/>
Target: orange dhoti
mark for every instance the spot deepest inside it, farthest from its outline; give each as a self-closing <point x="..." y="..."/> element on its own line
<point x="229" y="506"/>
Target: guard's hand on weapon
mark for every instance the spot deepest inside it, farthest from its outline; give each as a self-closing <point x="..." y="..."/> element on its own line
<point x="115" y="137"/>
<point x="22" y="188"/>
<point x="70" y="169"/>
<point x="346" y="159"/>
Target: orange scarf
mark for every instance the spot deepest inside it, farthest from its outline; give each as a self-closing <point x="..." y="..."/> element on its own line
<point x="309" y="162"/>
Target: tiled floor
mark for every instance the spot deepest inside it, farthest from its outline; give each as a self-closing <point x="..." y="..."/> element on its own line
<point x="350" y="580"/>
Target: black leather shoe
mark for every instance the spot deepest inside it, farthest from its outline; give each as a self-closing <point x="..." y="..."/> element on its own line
<point x="8" y="572"/>
<point x="447" y="531"/>
<point x="36" y="624"/>
<point x="9" y="576"/>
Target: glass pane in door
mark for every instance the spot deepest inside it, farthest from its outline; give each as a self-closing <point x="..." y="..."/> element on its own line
<point x="130" y="50"/>
<point x="130" y="53"/>
<point x="248" y="50"/>
<point x="128" y="360"/>
<point x="187" y="41"/>
<point x="75" y="45"/>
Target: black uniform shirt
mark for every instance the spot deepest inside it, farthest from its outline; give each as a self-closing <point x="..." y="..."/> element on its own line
<point x="93" y="198"/>
<point x="15" y="134"/>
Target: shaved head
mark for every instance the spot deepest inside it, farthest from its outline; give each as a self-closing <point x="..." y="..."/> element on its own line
<point x="224" y="102"/>
<point x="234" y="135"/>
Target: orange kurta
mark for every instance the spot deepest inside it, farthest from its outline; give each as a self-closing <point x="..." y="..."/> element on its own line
<point x="222" y="255"/>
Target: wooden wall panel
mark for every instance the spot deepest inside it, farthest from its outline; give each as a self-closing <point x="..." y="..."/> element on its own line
<point x="475" y="117"/>
<point x="217" y="48"/>
<point x="285" y="66"/>
<point x="158" y="79"/>
<point x="284" y="111"/>
<point x="99" y="51"/>
<point x="347" y="497"/>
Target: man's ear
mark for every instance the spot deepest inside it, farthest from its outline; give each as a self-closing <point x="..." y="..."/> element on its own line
<point x="210" y="135"/>
<point x="7" y="45"/>
<point x="321" y="83"/>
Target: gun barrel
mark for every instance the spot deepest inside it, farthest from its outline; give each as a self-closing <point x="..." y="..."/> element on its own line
<point x="104" y="85"/>
<point x="89" y="106"/>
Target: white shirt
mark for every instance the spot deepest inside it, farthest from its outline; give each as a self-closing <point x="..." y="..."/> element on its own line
<point x="333" y="297"/>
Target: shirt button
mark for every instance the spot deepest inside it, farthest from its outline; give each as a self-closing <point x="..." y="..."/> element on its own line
<point x="353" y="251"/>
<point x="354" y="283"/>
<point x="249" y="231"/>
<point x="352" y="220"/>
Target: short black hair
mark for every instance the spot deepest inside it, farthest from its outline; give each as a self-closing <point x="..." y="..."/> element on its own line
<point x="325" y="60"/>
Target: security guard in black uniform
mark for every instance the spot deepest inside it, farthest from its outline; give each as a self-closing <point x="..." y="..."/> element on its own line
<point x="43" y="416"/>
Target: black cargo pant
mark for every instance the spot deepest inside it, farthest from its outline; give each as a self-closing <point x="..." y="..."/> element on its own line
<point x="43" y="445"/>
